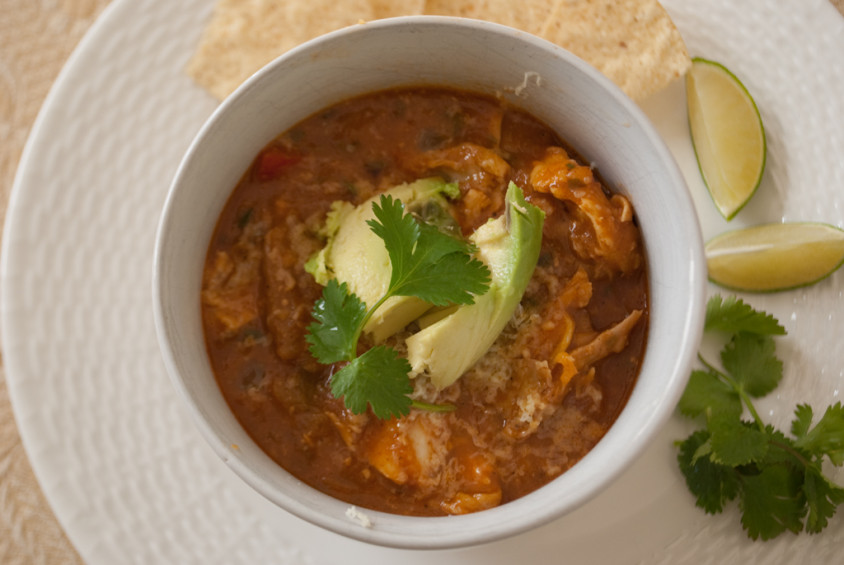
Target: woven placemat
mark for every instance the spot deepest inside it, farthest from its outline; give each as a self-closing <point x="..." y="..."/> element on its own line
<point x="36" y="38"/>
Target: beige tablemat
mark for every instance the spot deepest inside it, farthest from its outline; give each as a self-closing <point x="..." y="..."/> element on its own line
<point x="36" y="37"/>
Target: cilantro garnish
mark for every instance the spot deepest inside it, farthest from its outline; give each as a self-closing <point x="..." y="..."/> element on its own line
<point x="732" y="315"/>
<point x="426" y="263"/>
<point x="777" y="480"/>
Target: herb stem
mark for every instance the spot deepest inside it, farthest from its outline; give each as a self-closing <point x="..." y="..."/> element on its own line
<point x="745" y="399"/>
<point x="430" y="407"/>
<point x="366" y="318"/>
<point x="791" y="451"/>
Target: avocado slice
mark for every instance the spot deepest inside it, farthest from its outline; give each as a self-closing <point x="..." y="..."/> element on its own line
<point x="509" y="245"/>
<point x="355" y="255"/>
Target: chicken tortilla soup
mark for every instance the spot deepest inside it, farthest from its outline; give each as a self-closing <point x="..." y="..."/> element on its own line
<point x="421" y="301"/>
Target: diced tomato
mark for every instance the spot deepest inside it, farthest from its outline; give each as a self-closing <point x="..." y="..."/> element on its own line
<point x="272" y="162"/>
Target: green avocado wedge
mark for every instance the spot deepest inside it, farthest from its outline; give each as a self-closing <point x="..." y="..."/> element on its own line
<point x="509" y="245"/>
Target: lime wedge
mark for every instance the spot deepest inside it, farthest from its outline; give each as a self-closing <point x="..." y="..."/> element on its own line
<point x="727" y="134"/>
<point x="773" y="257"/>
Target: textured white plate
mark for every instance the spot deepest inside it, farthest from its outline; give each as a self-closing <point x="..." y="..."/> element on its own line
<point x="129" y="477"/>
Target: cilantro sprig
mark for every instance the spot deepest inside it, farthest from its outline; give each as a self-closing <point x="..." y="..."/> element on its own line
<point x="778" y="480"/>
<point x="426" y="263"/>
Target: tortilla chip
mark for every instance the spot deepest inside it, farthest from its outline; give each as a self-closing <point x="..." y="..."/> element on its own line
<point x="633" y="42"/>
<point x="526" y="15"/>
<point x="244" y="35"/>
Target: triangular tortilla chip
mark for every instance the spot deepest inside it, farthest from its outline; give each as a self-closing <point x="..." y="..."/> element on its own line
<point x="633" y="42"/>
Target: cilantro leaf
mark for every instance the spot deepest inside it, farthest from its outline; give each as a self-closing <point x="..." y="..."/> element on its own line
<point x="712" y="484"/>
<point x="736" y="443"/>
<point x="732" y="315"/>
<point x="822" y="498"/>
<point x="827" y="437"/>
<point x="455" y="279"/>
<point x="782" y="450"/>
<point x="339" y="314"/>
<point x="772" y="502"/>
<point x="377" y="378"/>
<point x="426" y="262"/>
<point x="706" y="394"/>
<point x="751" y="360"/>
<point x="392" y="224"/>
<point x="803" y="415"/>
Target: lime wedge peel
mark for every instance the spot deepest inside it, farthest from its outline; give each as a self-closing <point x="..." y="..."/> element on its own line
<point x="727" y="135"/>
<point x="775" y="257"/>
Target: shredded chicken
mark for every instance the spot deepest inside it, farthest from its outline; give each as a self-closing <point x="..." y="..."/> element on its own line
<point x="611" y="340"/>
<point x="232" y="280"/>
<point x="409" y="450"/>
<point x="420" y="450"/>
<point x="613" y="237"/>
<point x="480" y="171"/>
<point x="478" y="489"/>
<point x="284" y="248"/>
<point x="349" y="424"/>
<point x="467" y="159"/>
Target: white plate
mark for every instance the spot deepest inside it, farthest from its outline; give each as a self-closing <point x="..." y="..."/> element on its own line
<point x="131" y="480"/>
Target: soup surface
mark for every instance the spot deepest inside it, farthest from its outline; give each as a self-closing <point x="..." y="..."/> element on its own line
<point x="541" y="397"/>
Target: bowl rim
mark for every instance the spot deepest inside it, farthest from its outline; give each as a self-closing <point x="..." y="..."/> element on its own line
<point x="448" y="531"/>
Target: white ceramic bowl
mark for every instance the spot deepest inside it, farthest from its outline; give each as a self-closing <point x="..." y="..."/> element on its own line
<point x="586" y="109"/>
